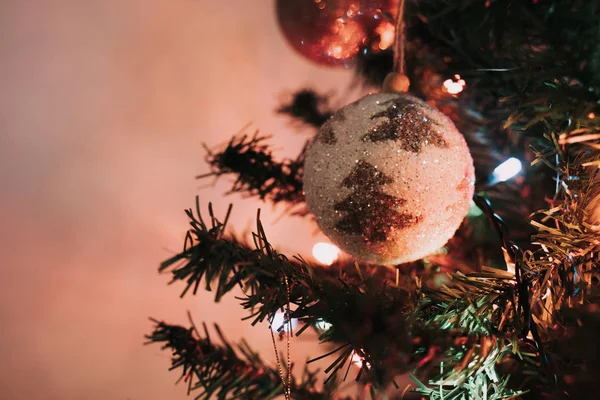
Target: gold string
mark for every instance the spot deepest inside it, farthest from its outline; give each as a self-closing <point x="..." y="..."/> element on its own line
<point x="277" y="358"/>
<point x="289" y="339"/>
<point x="400" y="40"/>
<point x="287" y="383"/>
<point x="397" y="81"/>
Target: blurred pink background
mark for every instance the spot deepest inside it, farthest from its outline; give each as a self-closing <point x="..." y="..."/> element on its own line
<point x="104" y="105"/>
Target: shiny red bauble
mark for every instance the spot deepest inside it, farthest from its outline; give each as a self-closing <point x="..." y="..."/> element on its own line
<point x="332" y="32"/>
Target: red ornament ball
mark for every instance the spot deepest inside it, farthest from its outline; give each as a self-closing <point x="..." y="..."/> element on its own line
<point x="332" y="32"/>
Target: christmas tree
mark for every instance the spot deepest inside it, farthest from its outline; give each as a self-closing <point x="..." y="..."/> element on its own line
<point x="509" y="307"/>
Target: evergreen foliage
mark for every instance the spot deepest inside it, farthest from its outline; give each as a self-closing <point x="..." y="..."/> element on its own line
<point x="533" y="73"/>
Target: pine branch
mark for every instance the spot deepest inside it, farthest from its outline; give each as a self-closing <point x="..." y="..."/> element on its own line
<point x="575" y="345"/>
<point x="307" y="107"/>
<point x="480" y="311"/>
<point x="257" y="173"/>
<point x="470" y="328"/>
<point x="557" y="106"/>
<point x="317" y="294"/>
<point x="512" y="52"/>
<point x="564" y="270"/>
<point x="227" y="371"/>
<point x="388" y="328"/>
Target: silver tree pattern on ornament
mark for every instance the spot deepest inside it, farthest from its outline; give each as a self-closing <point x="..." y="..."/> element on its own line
<point x="407" y="124"/>
<point x="368" y="211"/>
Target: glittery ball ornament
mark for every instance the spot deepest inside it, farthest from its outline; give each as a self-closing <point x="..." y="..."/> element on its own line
<point x="332" y="32"/>
<point x="389" y="178"/>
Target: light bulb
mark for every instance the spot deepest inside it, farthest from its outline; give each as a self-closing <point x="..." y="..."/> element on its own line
<point x="454" y="87"/>
<point x="358" y="360"/>
<point x="322" y="325"/>
<point x="279" y="320"/>
<point x="506" y="170"/>
<point x="325" y="253"/>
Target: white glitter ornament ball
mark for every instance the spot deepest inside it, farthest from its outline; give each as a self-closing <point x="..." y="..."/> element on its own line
<point x="389" y="178"/>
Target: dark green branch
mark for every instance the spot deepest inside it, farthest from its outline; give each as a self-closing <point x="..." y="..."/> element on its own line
<point x="370" y="317"/>
<point x="342" y="299"/>
<point x="308" y="107"/>
<point x="257" y="172"/>
<point x="227" y="371"/>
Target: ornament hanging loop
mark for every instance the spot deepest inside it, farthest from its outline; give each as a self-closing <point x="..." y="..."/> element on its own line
<point x="397" y="81"/>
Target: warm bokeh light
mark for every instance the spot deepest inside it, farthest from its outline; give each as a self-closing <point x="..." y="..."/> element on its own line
<point x="345" y="39"/>
<point x="325" y="253"/>
<point x="353" y="9"/>
<point x="358" y="361"/>
<point x="454" y="87"/>
<point x="591" y="115"/>
<point x="506" y="170"/>
<point x="386" y="32"/>
<point x="333" y="32"/>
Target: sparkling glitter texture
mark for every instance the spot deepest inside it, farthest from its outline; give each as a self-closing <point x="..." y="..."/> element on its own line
<point x="389" y="178"/>
<point x="332" y="32"/>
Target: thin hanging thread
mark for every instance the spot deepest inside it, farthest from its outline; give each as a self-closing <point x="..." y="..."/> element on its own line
<point x="287" y="320"/>
<point x="289" y="339"/>
<point x="399" y="41"/>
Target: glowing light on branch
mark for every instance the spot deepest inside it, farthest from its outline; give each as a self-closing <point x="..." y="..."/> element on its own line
<point x="358" y="361"/>
<point x="506" y="170"/>
<point x="279" y="321"/>
<point x="322" y="325"/>
<point x="454" y="87"/>
<point x="386" y="33"/>
<point x="325" y="253"/>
